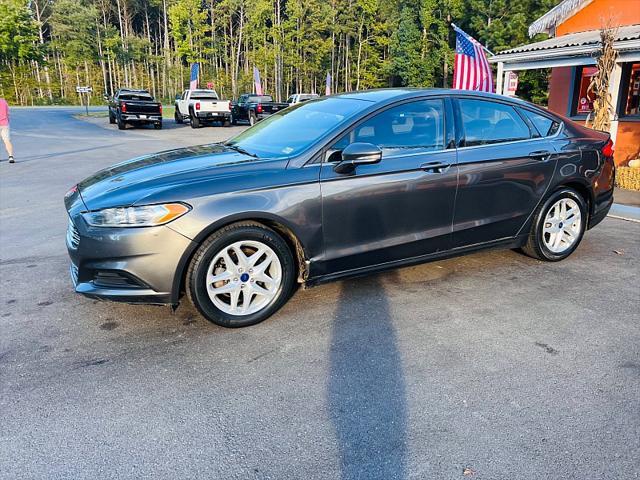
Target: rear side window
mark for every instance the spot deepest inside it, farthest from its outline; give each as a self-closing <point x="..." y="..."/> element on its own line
<point x="545" y="126"/>
<point x="491" y="122"/>
<point x="417" y="125"/>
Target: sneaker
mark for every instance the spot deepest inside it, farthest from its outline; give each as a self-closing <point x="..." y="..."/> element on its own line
<point x="11" y="160"/>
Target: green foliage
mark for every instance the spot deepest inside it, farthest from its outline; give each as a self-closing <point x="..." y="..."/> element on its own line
<point x="294" y="43"/>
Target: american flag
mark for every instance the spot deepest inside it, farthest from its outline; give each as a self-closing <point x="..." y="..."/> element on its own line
<point x="471" y="70"/>
<point x="327" y="87"/>
<point x="195" y="74"/>
<point x="256" y="80"/>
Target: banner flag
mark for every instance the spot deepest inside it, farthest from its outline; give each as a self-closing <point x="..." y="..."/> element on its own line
<point x="256" y="81"/>
<point x="195" y="75"/>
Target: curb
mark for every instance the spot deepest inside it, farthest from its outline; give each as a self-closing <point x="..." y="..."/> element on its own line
<point x="625" y="212"/>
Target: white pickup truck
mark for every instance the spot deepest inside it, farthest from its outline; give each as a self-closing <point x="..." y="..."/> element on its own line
<point x="202" y="106"/>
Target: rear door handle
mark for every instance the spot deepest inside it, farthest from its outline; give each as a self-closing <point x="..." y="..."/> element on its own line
<point x="437" y="167"/>
<point x="540" y="154"/>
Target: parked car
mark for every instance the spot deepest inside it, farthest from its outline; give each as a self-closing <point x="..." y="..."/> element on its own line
<point x="337" y="187"/>
<point x="254" y="108"/>
<point x="301" y="97"/>
<point x="202" y="106"/>
<point x="136" y="107"/>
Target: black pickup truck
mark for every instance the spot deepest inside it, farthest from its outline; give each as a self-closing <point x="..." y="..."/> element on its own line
<point x="254" y="107"/>
<point x="134" y="107"/>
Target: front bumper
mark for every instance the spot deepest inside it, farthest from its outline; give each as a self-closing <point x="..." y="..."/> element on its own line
<point x="134" y="265"/>
<point x="130" y="117"/>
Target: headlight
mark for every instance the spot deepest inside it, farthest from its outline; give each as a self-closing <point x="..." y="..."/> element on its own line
<point x="137" y="216"/>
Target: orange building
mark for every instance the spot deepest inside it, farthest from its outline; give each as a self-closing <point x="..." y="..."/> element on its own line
<point x="571" y="51"/>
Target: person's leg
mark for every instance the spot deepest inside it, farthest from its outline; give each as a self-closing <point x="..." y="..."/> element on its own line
<point x="6" y="138"/>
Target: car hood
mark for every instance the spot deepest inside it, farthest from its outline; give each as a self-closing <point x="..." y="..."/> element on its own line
<point x="135" y="180"/>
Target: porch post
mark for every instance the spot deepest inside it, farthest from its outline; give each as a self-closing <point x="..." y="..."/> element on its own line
<point x="500" y="78"/>
<point x="614" y="90"/>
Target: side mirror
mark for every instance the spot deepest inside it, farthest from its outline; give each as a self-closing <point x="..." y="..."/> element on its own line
<point x="358" y="154"/>
<point x="178" y="97"/>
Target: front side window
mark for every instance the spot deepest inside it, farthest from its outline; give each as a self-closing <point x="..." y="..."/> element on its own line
<point x="544" y="125"/>
<point x="415" y="125"/>
<point x="487" y="122"/>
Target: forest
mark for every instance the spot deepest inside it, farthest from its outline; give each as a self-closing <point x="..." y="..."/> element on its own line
<point x="48" y="47"/>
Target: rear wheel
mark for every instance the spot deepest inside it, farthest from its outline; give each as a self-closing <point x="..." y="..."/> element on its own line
<point x="121" y="123"/>
<point x="241" y="275"/>
<point x="195" y="121"/>
<point x="252" y="118"/>
<point x="558" y="226"/>
<point x="233" y="120"/>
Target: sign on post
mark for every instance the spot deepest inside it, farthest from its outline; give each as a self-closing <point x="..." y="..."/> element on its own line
<point x="512" y="84"/>
<point x="84" y="91"/>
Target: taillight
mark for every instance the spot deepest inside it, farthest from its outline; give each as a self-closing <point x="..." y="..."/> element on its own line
<point x="229" y="105"/>
<point x="197" y="105"/>
<point x="607" y="150"/>
<point x="160" y="109"/>
<point x="123" y="107"/>
<point x="259" y="108"/>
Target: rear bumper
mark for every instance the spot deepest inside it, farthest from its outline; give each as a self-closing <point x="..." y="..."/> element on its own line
<point x="602" y="209"/>
<point x="133" y="265"/>
<point x="213" y="115"/>
<point x="135" y="117"/>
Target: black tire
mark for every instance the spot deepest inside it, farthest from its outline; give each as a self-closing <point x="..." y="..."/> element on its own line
<point x="535" y="246"/>
<point x="112" y="119"/>
<point x="157" y="126"/>
<point x="196" y="274"/>
<point x="233" y="120"/>
<point x="252" y="119"/>
<point x="121" y="123"/>
<point x="226" y="123"/>
<point x="177" y="116"/>
<point x="195" y="121"/>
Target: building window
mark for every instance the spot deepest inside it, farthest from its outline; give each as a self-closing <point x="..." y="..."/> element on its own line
<point x="583" y="97"/>
<point x="629" y="105"/>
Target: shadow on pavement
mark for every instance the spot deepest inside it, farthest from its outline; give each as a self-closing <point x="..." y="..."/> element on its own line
<point x="366" y="390"/>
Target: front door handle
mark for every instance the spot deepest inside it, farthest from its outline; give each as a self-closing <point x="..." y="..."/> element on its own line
<point x="540" y="154"/>
<point x="437" y="167"/>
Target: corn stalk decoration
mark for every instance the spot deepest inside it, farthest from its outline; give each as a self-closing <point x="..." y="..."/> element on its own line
<point x="599" y="86"/>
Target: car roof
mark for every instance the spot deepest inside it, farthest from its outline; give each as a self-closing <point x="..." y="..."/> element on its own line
<point x="383" y="94"/>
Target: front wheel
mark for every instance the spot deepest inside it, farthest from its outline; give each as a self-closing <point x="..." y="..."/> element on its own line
<point x="177" y="116"/>
<point x="241" y="275"/>
<point x="112" y="119"/>
<point x="558" y="226"/>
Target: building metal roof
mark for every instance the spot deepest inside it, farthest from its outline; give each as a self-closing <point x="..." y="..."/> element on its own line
<point x="558" y="14"/>
<point x="582" y="43"/>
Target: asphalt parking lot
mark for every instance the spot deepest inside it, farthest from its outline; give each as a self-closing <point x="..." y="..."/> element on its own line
<point x="490" y="366"/>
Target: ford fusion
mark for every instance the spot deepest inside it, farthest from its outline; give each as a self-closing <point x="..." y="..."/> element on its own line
<point x="336" y="187"/>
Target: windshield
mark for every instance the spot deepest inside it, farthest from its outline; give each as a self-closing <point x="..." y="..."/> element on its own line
<point x="295" y="129"/>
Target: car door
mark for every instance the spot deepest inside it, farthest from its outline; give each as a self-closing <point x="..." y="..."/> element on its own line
<point x="504" y="169"/>
<point x="183" y="104"/>
<point x="401" y="207"/>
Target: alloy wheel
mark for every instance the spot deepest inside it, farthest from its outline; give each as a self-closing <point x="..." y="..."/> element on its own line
<point x="562" y="225"/>
<point x="244" y="277"/>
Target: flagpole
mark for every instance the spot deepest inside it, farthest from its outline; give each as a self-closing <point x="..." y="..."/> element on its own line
<point x="455" y="27"/>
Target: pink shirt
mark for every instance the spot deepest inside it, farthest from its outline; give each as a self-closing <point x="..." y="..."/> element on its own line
<point x="4" y="113"/>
